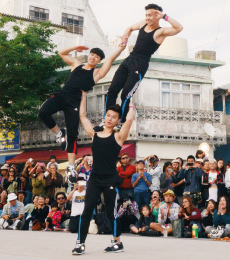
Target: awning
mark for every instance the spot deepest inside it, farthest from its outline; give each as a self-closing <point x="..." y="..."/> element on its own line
<point x="62" y="155"/>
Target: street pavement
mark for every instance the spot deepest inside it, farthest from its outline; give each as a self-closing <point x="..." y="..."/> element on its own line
<point x="38" y="245"/>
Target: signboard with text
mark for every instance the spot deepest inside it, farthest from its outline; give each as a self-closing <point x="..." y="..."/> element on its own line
<point x="10" y="140"/>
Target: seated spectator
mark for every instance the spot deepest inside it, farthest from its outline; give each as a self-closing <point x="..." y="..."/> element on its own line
<point x="3" y="174"/>
<point x="141" y="181"/>
<point x="213" y="182"/>
<point x="77" y="196"/>
<point x="10" y="183"/>
<point x="191" y="215"/>
<point x="145" y="221"/>
<point x="128" y="212"/>
<point x="192" y="176"/>
<point x="167" y="177"/>
<point x="47" y="202"/>
<point x="13" y="213"/>
<point x="207" y="216"/>
<point x="53" y="180"/>
<point x="179" y="184"/>
<point x="65" y="208"/>
<point x="155" y="204"/>
<point x="54" y="218"/>
<point x="39" y="182"/>
<point x="21" y="196"/>
<point x="52" y="160"/>
<point x="39" y="214"/>
<point x="167" y="213"/>
<point x="154" y="170"/>
<point x="85" y="167"/>
<point x="30" y="207"/>
<point x="126" y="171"/>
<point x="221" y="216"/>
<point x="3" y="200"/>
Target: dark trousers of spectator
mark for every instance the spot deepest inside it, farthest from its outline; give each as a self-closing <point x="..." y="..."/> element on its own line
<point x="74" y="224"/>
<point x="94" y="189"/>
<point x="142" y="198"/>
<point x="129" y="192"/>
<point x="126" y="221"/>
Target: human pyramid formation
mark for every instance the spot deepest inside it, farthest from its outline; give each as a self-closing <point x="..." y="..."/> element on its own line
<point x="106" y="143"/>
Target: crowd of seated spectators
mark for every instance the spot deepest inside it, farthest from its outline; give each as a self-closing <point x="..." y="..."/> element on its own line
<point x="152" y="200"/>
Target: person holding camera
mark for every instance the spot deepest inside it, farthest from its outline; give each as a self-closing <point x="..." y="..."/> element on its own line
<point x="85" y="167"/>
<point x="128" y="212"/>
<point x="141" y="182"/>
<point x="154" y="170"/>
<point x="77" y="196"/>
<point x="192" y="176"/>
<point x="13" y="213"/>
<point x="126" y="171"/>
<point x="39" y="182"/>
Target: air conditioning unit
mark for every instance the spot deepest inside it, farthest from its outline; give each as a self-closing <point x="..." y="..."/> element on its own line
<point x="206" y="55"/>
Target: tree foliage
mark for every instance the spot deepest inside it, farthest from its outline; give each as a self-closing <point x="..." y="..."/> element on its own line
<point x="28" y="67"/>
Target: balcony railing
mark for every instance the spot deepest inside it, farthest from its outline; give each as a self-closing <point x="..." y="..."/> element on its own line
<point x="151" y="124"/>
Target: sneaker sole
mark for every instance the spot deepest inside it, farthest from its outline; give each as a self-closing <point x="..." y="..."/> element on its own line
<point x="75" y="253"/>
<point x="118" y="251"/>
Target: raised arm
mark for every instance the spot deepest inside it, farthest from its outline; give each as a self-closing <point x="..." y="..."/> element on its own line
<point x="108" y="63"/>
<point x="64" y="54"/>
<point x="129" y="30"/>
<point x="88" y="127"/>
<point x="124" y="132"/>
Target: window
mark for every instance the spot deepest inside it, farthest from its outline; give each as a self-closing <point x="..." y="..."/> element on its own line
<point x="39" y="13"/>
<point x="180" y="95"/>
<point x="73" y="23"/>
<point x="96" y="98"/>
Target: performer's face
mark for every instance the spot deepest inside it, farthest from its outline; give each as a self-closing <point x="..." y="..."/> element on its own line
<point x="93" y="59"/>
<point x="150" y="16"/>
<point x="111" y="118"/>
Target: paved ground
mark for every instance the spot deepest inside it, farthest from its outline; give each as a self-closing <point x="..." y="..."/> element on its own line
<point x="38" y="245"/>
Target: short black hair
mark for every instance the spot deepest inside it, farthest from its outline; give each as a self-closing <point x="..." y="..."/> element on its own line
<point x="54" y="204"/>
<point x="99" y="52"/>
<point x="166" y="165"/>
<point x="53" y="157"/>
<point x="80" y="179"/>
<point x="153" y="6"/>
<point x="60" y="193"/>
<point x="191" y="157"/>
<point x="116" y="108"/>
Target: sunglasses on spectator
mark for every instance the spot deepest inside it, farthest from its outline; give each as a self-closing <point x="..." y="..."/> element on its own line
<point x="125" y="158"/>
<point x="61" y="198"/>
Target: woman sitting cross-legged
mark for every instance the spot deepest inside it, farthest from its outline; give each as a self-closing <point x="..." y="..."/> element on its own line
<point x="207" y="216"/>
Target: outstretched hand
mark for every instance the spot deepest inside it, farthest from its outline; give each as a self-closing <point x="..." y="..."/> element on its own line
<point x="81" y="48"/>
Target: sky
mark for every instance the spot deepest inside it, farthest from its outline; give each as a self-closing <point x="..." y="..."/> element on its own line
<point x="205" y="22"/>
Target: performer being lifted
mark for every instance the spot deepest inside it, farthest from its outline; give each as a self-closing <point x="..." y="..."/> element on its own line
<point x="104" y="176"/>
<point x="132" y="70"/>
<point x="82" y="77"/>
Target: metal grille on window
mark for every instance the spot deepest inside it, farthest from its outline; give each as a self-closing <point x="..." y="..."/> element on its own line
<point x="73" y="23"/>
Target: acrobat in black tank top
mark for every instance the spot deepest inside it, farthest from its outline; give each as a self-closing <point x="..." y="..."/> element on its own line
<point x="145" y="45"/>
<point x="105" y="153"/>
<point x="79" y="79"/>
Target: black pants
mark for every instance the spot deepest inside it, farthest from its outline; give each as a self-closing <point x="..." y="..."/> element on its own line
<point x="126" y="221"/>
<point x="127" y="77"/>
<point x="94" y="189"/>
<point x="71" y="111"/>
<point x="74" y="224"/>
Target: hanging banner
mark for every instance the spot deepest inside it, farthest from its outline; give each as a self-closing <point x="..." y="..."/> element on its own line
<point x="10" y="140"/>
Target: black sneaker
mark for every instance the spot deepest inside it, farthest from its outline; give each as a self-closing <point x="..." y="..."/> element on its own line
<point x="114" y="247"/>
<point x="117" y="128"/>
<point x="99" y="128"/>
<point x="62" y="139"/>
<point x="71" y="173"/>
<point x="79" y="249"/>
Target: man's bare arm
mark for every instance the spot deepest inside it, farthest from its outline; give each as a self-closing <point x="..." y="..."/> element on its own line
<point x="134" y="27"/>
<point x="64" y="54"/>
<point x="124" y="132"/>
<point x="108" y="63"/>
<point x="88" y="127"/>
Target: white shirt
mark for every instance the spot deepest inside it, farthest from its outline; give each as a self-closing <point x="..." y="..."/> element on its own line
<point x="78" y="203"/>
<point x="213" y="188"/>
<point x="155" y="173"/>
<point x="227" y="179"/>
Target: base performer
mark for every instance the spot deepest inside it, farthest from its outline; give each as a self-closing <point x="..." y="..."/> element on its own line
<point x="82" y="77"/>
<point x="132" y="70"/>
<point x="104" y="176"/>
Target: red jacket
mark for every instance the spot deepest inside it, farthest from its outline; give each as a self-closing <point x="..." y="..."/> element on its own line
<point x="126" y="175"/>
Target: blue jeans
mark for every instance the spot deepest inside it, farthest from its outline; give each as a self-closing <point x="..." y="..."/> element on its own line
<point x="142" y="198"/>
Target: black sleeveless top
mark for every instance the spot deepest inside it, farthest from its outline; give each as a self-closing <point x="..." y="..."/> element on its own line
<point x="145" y="45"/>
<point x="79" y="79"/>
<point x="105" y="153"/>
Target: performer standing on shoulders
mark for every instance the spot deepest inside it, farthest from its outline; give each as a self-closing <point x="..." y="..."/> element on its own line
<point x="104" y="176"/>
<point x="82" y="77"/>
<point x="132" y="70"/>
